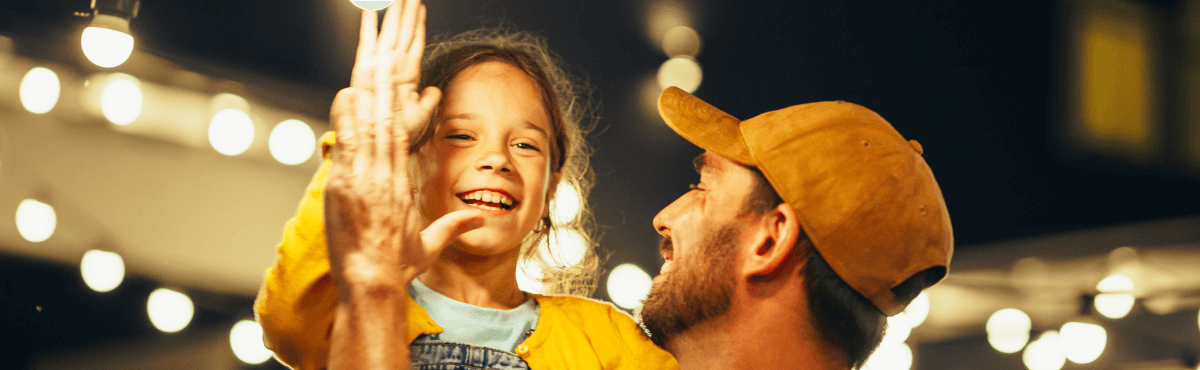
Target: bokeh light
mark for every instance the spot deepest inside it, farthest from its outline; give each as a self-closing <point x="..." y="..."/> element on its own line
<point x="565" y="206"/>
<point x="918" y="310"/>
<point x="292" y="142"/>
<point x="371" y="4"/>
<point x="1115" y="299"/>
<point x="1082" y="342"/>
<point x="890" y="356"/>
<point x="102" y="271"/>
<point x="681" y="72"/>
<point x="231" y="132"/>
<point x="563" y="247"/>
<point x="170" y="311"/>
<point x="1008" y="330"/>
<point x="628" y="285"/>
<point x="121" y="101"/>
<point x="39" y="90"/>
<point x="35" y="220"/>
<point x="898" y="329"/>
<point x="681" y="41"/>
<point x="106" y="47"/>
<point x="246" y="340"/>
<point x="1045" y="353"/>
<point x="529" y="277"/>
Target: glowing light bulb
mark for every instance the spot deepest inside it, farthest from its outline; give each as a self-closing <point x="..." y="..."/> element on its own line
<point x="107" y="42"/>
<point x="565" y="206"/>
<point x="681" y="41"/>
<point x="121" y="100"/>
<point x="35" y="220"/>
<point x="102" y="271"/>
<point x="292" y="142"/>
<point x="681" y="72"/>
<point x="246" y="340"/>
<point x="1008" y="330"/>
<point x="918" y="310"/>
<point x="890" y="356"/>
<point x="39" y="90"/>
<point x="898" y="329"/>
<point x="231" y="131"/>
<point x="1083" y="342"/>
<point x="529" y="277"/>
<point x="169" y="311"/>
<point x="628" y="285"/>
<point x="1115" y="299"/>
<point x="372" y="4"/>
<point x="1045" y="353"/>
<point x="563" y="247"/>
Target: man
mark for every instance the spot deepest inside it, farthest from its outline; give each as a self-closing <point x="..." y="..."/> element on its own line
<point x="809" y="227"/>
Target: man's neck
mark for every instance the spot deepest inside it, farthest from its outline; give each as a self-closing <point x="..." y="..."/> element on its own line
<point x="766" y="334"/>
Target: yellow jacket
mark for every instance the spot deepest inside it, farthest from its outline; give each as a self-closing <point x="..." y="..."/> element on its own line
<point x="297" y="302"/>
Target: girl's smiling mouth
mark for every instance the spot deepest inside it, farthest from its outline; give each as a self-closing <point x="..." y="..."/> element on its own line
<point x="488" y="199"/>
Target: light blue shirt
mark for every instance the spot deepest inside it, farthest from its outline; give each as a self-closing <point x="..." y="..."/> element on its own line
<point x="466" y="323"/>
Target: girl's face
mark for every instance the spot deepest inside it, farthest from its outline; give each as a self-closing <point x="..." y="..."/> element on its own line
<point x="491" y="152"/>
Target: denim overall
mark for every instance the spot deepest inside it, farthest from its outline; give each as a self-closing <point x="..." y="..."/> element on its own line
<point x="429" y="353"/>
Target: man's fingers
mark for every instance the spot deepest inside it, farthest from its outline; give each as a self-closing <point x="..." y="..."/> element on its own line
<point x="368" y="32"/>
<point x="342" y="116"/>
<point x="390" y="32"/>
<point x="408" y="24"/>
<point x="448" y="228"/>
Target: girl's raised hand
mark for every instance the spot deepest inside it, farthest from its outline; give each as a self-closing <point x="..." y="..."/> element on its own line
<point x="375" y="233"/>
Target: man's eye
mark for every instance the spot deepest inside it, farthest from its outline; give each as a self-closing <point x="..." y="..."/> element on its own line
<point x="693" y="187"/>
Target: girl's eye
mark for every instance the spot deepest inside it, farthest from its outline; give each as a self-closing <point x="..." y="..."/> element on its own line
<point x="459" y="137"/>
<point x="526" y="146"/>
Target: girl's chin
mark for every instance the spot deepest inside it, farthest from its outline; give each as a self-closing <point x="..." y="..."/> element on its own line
<point x="487" y="241"/>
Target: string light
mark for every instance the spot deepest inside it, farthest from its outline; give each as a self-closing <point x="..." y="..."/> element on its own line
<point x="566" y="205"/>
<point x="1082" y="342"/>
<point x="1008" y="330"/>
<point x="681" y="72"/>
<point x="563" y="247"/>
<point x="107" y="41"/>
<point x="39" y="90"/>
<point x="628" y="285"/>
<point x="1045" y="353"/>
<point x="918" y="310"/>
<point x="121" y="100"/>
<point x="371" y="4"/>
<point x="102" y="271"/>
<point x="35" y="220"/>
<point x="246" y="341"/>
<point x="169" y="311"/>
<point x="231" y="132"/>
<point x="292" y="142"/>
<point x="1115" y="299"/>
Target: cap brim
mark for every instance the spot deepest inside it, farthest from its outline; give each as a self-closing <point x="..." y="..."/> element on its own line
<point x="704" y="125"/>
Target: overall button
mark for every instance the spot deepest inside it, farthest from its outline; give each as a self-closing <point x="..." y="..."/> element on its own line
<point x="522" y="350"/>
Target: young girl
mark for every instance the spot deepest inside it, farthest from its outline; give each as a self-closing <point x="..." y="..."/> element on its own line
<point x="468" y="164"/>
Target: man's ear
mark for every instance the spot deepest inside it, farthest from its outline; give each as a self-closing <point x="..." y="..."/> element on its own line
<point x="779" y="229"/>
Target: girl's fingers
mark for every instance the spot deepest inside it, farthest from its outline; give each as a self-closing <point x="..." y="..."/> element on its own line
<point x="360" y="75"/>
<point x="448" y="228"/>
<point x="389" y="33"/>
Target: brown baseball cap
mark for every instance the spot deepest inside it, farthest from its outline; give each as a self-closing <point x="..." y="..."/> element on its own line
<point x="863" y="194"/>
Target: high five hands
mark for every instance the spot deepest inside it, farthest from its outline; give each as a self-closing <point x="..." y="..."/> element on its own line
<point x="376" y="236"/>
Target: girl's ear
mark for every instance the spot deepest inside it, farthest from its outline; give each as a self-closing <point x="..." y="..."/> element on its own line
<point x="555" y="177"/>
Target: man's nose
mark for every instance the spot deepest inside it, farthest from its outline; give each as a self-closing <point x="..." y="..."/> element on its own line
<point x="663" y="219"/>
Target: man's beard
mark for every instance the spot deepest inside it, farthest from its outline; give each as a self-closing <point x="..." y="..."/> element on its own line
<point x="690" y="295"/>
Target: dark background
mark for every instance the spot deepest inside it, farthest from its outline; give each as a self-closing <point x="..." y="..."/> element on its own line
<point x="979" y="84"/>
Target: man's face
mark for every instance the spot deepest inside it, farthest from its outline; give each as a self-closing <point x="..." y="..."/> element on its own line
<point x="701" y="233"/>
